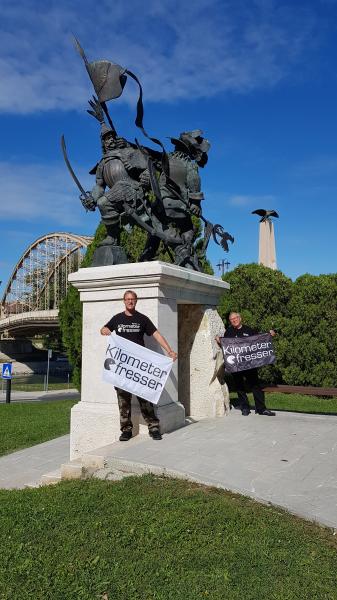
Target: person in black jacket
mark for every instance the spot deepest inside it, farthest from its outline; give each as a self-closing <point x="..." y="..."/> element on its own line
<point x="250" y="376"/>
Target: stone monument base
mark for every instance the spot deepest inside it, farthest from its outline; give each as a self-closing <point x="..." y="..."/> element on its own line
<point x="161" y="288"/>
<point x="96" y="424"/>
<point x="201" y="386"/>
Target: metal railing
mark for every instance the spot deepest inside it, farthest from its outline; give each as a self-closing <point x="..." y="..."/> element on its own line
<point x="38" y="382"/>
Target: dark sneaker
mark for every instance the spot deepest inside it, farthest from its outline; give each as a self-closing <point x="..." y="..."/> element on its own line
<point x="266" y="412"/>
<point x="245" y="412"/>
<point x="155" y="434"/>
<point x="125" y="436"/>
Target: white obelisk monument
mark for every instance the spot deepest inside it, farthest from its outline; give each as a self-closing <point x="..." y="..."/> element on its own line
<point x="267" y="252"/>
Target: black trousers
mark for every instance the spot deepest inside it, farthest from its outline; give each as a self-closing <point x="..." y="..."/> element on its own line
<point x="147" y="410"/>
<point x="250" y="379"/>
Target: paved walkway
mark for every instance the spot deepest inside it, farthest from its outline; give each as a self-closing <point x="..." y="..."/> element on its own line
<point x="289" y="460"/>
<point x="68" y="394"/>
<point x="27" y="466"/>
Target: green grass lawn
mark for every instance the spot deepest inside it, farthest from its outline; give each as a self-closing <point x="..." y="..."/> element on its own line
<point x="157" y="539"/>
<point x="27" y="423"/>
<point x="296" y="402"/>
<point x="300" y="403"/>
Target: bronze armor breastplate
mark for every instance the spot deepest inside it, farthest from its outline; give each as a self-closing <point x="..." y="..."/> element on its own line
<point x="114" y="171"/>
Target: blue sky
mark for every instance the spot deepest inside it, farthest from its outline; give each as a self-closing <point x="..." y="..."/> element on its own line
<point x="258" y="76"/>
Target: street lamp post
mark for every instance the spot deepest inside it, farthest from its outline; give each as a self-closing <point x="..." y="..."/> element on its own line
<point x="223" y="266"/>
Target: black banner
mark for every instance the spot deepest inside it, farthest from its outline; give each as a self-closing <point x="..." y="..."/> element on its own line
<point x="243" y="353"/>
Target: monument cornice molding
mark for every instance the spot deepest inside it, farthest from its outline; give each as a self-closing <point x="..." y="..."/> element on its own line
<point x="154" y="274"/>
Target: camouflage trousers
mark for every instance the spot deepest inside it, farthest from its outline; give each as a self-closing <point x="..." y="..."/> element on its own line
<point x="147" y="410"/>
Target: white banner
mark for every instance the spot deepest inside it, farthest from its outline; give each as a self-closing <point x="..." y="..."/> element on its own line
<point x="135" y="369"/>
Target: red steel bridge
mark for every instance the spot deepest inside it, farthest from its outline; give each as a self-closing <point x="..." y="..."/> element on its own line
<point x="39" y="283"/>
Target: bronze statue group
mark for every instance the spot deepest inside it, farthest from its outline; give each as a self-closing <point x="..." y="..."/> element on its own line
<point x="136" y="185"/>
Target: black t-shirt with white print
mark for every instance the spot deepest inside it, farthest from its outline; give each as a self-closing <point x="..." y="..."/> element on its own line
<point x="243" y="331"/>
<point x="132" y="328"/>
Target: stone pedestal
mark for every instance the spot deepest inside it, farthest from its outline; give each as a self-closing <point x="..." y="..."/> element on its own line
<point x="267" y="252"/>
<point x="201" y="388"/>
<point x="165" y="294"/>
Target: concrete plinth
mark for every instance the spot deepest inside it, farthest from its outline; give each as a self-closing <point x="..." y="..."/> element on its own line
<point x="161" y="289"/>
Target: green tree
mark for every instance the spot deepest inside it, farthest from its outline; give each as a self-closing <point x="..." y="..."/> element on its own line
<point x="70" y="315"/>
<point x="262" y="296"/>
<point x="303" y="312"/>
<point x="307" y="350"/>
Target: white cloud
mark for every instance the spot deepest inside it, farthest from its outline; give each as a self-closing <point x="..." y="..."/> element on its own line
<point x="36" y="192"/>
<point x="178" y="48"/>
<point x="257" y="201"/>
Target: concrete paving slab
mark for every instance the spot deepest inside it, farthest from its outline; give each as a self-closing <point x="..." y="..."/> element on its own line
<point x="289" y="460"/>
<point x="26" y="467"/>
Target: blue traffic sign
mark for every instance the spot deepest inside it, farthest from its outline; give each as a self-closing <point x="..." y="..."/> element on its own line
<point x="6" y="371"/>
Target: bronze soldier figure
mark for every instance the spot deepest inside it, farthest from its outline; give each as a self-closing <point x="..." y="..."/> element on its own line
<point x="181" y="196"/>
<point x="121" y="178"/>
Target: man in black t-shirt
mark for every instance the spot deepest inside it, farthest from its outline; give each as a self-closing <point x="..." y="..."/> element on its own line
<point x="133" y="325"/>
<point x="250" y="376"/>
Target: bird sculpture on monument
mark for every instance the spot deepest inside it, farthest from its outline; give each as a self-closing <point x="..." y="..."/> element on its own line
<point x="267" y="252"/>
<point x="265" y="214"/>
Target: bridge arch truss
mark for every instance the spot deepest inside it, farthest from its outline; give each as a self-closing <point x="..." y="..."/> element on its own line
<point x="39" y="280"/>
